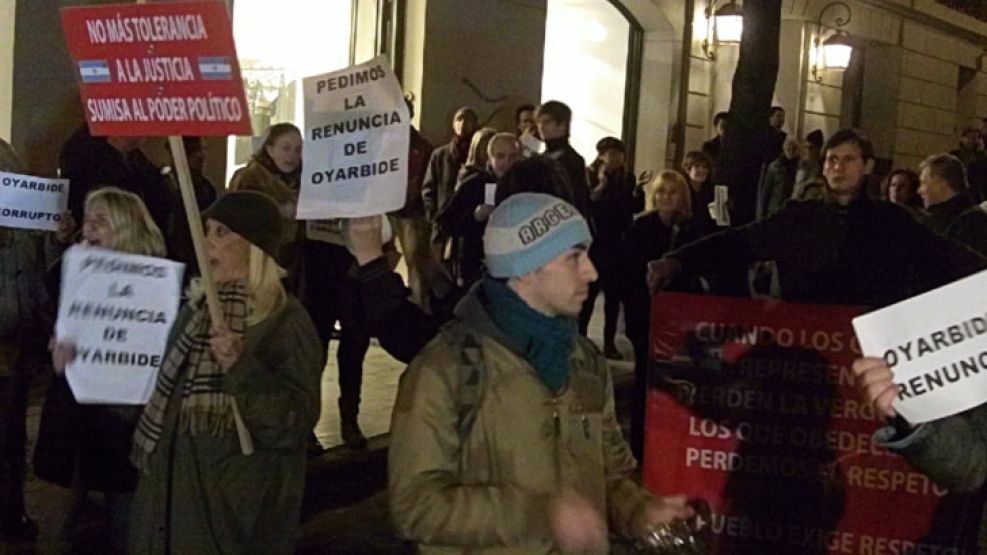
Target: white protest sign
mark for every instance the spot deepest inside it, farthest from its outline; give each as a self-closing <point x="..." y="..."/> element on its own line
<point x="936" y="345"/>
<point x="490" y="194"/>
<point x="356" y="143"/>
<point x="30" y="202"/>
<point x="117" y="309"/>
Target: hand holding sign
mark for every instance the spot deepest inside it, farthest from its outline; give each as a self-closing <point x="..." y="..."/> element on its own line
<point x="226" y="345"/>
<point x="875" y="381"/>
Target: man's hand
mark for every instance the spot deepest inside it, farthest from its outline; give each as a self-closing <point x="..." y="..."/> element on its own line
<point x="577" y="525"/>
<point x="875" y="381"/>
<point x="662" y="510"/>
<point x="661" y="272"/>
<point x="66" y="228"/>
<point x="226" y="345"/>
<point x="365" y="237"/>
<point x="61" y="355"/>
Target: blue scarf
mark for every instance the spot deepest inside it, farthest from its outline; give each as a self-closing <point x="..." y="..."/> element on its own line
<point x="545" y="342"/>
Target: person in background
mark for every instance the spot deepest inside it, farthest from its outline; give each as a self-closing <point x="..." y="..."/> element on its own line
<point x="698" y="168"/>
<point x="443" y="171"/>
<point x="275" y="171"/>
<point x="666" y="224"/>
<point x="465" y="216"/>
<point x="776" y="132"/>
<point x="411" y="229"/>
<point x="178" y="237"/>
<point x="24" y="256"/>
<point x="778" y="182"/>
<point x="810" y="163"/>
<point x="614" y="198"/>
<point x="950" y="210"/>
<point x="554" y="120"/>
<point x="85" y="448"/>
<point x="198" y="491"/>
<point x="711" y="148"/>
<point x="901" y="187"/>
<point x="90" y="162"/>
<point x="524" y="121"/>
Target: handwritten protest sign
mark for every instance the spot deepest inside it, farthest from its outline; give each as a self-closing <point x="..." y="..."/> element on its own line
<point x="157" y="69"/>
<point x="31" y="202"/>
<point x="753" y="407"/>
<point x="356" y="143"/>
<point x="117" y="309"/>
<point x="936" y="345"/>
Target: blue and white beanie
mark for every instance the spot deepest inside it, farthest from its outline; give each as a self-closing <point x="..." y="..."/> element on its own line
<point x="529" y="230"/>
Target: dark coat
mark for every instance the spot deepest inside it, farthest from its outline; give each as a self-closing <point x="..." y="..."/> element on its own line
<point x="90" y="162"/>
<point x="776" y="186"/>
<point x="612" y="210"/>
<point x="961" y="220"/>
<point x="575" y="167"/>
<point x="441" y="175"/>
<point x="419" y="154"/>
<point x="869" y="253"/>
<point x="456" y="220"/>
<point x="220" y="500"/>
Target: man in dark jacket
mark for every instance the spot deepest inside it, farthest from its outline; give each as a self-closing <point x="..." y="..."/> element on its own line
<point x="952" y="213"/>
<point x="91" y="162"/>
<point x="444" y="164"/>
<point x="845" y="249"/>
<point x="614" y="198"/>
<point x="554" y="119"/>
<point x="410" y="226"/>
<point x="711" y="148"/>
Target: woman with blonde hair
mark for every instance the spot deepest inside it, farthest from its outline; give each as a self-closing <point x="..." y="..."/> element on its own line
<point x="198" y="491"/>
<point x="86" y="447"/>
<point x="666" y="224"/>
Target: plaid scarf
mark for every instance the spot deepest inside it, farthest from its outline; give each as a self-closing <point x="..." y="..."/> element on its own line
<point x="206" y="408"/>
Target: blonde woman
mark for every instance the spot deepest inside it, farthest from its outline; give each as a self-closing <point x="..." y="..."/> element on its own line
<point x="198" y="493"/>
<point x="86" y="447"/>
<point x="666" y="224"/>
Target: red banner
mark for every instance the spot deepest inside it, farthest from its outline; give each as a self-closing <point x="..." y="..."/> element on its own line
<point x="157" y="69"/>
<point x="752" y="407"/>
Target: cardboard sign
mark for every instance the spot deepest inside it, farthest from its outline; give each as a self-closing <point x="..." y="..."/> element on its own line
<point x="29" y="202"/>
<point x="356" y="143"/>
<point x="752" y="406"/>
<point x="117" y="309"/>
<point x="936" y="345"/>
<point x="157" y="69"/>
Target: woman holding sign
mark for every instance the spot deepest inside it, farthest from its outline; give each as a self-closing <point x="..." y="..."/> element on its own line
<point x="198" y="493"/>
<point x="86" y="447"/>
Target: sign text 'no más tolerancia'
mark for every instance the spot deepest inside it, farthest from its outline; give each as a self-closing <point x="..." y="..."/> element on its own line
<point x="157" y="69"/>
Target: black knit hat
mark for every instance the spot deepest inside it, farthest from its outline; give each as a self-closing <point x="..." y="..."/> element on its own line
<point x="252" y="215"/>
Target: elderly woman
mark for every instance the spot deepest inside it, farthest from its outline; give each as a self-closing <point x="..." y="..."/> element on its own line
<point x="198" y="491"/>
<point x="86" y="448"/>
<point x="667" y="223"/>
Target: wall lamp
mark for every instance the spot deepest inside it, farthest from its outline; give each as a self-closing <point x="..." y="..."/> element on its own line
<point x="723" y="25"/>
<point x="836" y="50"/>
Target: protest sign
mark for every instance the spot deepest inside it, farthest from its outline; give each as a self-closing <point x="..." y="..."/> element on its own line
<point x="356" y="143"/>
<point x="117" y="309"/>
<point x="29" y="202"/>
<point x="752" y="406"/>
<point x="936" y="345"/>
<point x="157" y="69"/>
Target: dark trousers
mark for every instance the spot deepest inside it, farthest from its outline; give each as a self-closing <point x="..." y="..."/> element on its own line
<point x="331" y="296"/>
<point x="13" y="439"/>
<point x="637" y="317"/>
<point x="611" y="308"/>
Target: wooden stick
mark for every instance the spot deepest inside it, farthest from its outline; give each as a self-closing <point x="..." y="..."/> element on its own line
<point x="198" y="241"/>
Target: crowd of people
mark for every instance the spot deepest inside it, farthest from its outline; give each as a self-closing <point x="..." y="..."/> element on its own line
<point x="508" y="239"/>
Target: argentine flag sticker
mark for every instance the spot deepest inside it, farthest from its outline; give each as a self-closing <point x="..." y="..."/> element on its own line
<point x="94" y="71"/>
<point x="215" y="68"/>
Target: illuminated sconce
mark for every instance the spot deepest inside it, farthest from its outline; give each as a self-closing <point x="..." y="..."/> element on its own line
<point x="723" y="25"/>
<point x="836" y="50"/>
